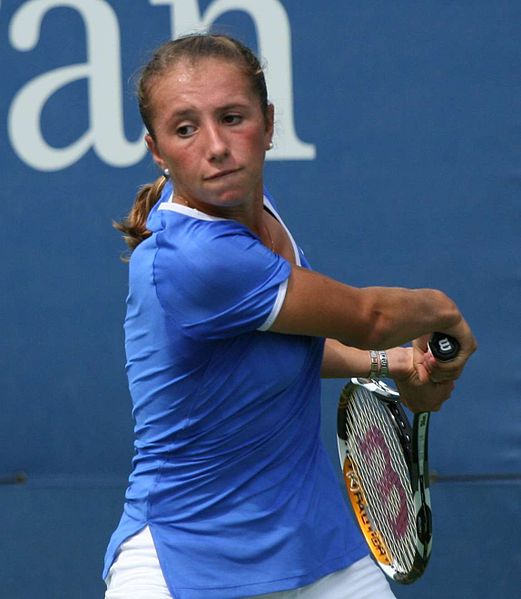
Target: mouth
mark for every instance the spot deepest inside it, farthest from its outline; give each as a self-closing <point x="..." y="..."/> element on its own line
<point x="222" y="174"/>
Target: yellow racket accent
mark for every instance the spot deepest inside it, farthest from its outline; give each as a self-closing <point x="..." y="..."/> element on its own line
<point x="359" y="504"/>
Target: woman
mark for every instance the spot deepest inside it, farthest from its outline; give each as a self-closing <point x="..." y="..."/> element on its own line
<point x="232" y="494"/>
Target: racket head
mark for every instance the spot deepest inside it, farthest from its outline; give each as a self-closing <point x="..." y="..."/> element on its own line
<point x="380" y="462"/>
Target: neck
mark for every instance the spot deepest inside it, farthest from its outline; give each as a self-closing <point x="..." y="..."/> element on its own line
<point x="250" y="214"/>
<point x="247" y="210"/>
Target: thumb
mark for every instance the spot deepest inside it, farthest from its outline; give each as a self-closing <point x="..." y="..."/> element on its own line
<point x="422" y="373"/>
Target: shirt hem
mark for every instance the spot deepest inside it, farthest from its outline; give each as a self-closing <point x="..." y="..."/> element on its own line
<point x="279" y="300"/>
<point x="280" y="584"/>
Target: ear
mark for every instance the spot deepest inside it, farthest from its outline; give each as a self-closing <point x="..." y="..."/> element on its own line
<point x="270" y="120"/>
<point x="153" y="149"/>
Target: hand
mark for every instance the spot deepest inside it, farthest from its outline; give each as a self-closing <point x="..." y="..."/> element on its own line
<point x="417" y="391"/>
<point x="439" y="371"/>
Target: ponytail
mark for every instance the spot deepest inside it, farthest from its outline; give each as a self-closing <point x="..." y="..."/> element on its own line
<point x="133" y="226"/>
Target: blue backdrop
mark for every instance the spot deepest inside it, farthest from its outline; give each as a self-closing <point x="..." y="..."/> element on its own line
<point x="397" y="162"/>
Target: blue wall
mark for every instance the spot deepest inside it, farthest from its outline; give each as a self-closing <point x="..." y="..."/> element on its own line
<point x="409" y="114"/>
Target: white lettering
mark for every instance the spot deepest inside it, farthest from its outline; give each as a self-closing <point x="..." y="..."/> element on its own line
<point x="445" y="345"/>
<point x="274" y="40"/>
<point x="102" y="71"/>
<point x="103" y="74"/>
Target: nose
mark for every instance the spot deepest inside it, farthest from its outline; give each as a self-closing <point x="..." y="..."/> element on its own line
<point x="217" y="145"/>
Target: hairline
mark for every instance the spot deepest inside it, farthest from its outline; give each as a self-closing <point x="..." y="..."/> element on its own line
<point x="236" y="61"/>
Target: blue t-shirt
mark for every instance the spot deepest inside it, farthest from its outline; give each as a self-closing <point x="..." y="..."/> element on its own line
<point x="229" y="471"/>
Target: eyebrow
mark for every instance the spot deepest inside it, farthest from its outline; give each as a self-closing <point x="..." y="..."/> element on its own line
<point x="181" y="113"/>
<point x="189" y="112"/>
<point x="234" y="105"/>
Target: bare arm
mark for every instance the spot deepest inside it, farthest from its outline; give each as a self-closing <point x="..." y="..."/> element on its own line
<point x="371" y="318"/>
<point x="341" y="361"/>
<point x="406" y="367"/>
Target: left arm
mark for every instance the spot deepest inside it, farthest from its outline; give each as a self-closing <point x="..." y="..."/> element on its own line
<point x="342" y="361"/>
<point x="408" y="367"/>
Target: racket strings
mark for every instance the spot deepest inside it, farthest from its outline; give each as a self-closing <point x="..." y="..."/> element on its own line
<point x="381" y="471"/>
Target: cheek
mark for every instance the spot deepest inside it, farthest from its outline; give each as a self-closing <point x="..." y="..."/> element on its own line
<point x="181" y="160"/>
<point x="183" y="169"/>
<point x="253" y="142"/>
<point x="187" y="171"/>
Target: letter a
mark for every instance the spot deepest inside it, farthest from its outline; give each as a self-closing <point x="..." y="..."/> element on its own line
<point x="103" y="74"/>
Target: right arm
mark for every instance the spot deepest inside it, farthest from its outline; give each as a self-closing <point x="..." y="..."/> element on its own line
<point x="372" y="317"/>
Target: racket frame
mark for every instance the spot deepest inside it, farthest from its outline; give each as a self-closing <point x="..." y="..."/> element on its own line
<point x="414" y="444"/>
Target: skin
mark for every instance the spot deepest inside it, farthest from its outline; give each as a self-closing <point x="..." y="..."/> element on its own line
<point x="212" y="134"/>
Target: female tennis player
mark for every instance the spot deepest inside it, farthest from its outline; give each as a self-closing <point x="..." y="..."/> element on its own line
<point x="228" y="332"/>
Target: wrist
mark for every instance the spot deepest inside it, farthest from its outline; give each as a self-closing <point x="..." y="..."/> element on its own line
<point x="379" y="364"/>
<point x="400" y="359"/>
<point x="374" y="372"/>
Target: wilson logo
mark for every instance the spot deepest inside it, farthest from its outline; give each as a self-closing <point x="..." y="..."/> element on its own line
<point x="445" y="345"/>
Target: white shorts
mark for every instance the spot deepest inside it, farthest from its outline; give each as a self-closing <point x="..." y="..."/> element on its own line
<point x="136" y="574"/>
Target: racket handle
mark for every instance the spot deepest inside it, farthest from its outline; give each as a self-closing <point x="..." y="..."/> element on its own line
<point x="444" y="347"/>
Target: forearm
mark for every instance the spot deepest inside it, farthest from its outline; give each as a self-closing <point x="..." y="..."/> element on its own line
<point x="373" y="317"/>
<point x="342" y="361"/>
<point x="393" y="316"/>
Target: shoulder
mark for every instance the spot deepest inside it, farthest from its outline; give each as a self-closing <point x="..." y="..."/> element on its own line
<point x="215" y="276"/>
<point x="189" y="233"/>
<point x="191" y="242"/>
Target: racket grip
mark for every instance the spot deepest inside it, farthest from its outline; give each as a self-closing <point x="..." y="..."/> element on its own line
<point x="444" y="347"/>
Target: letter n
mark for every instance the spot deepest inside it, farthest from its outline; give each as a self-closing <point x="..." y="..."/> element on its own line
<point x="274" y="42"/>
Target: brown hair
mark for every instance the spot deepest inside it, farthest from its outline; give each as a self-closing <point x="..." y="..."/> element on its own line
<point x="134" y="226"/>
<point x="190" y="47"/>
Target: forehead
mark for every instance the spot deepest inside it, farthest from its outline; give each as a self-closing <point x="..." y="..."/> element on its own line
<point x="199" y="83"/>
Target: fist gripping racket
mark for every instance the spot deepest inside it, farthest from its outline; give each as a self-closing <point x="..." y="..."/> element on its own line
<point x="385" y="469"/>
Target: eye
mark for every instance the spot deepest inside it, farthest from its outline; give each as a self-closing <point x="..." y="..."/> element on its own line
<point x="233" y="119"/>
<point x="185" y="130"/>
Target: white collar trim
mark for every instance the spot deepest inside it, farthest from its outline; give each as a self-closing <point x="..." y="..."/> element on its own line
<point x="194" y="213"/>
<point x="186" y="210"/>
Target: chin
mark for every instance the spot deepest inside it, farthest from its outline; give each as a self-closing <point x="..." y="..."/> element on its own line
<point x="230" y="198"/>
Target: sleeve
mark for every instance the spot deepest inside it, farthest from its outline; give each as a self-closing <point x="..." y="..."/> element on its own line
<point x="217" y="280"/>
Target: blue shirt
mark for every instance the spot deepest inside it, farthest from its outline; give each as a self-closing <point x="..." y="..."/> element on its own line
<point x="229" y="472"/>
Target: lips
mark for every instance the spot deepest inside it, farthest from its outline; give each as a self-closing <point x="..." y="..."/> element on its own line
<point x="221" y="174"/>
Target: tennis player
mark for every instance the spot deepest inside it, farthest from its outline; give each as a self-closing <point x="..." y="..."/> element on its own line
<point x="228" y="332"/>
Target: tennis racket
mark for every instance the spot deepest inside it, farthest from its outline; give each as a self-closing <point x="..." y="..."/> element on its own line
<point x="385" y="469"/>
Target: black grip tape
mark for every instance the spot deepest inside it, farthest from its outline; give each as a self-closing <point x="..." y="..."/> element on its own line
<point x="444" y="347"/>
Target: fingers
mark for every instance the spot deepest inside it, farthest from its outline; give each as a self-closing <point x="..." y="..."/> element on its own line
<point x="428" y="369"/>
<point x="442" y="398"/>
<point x="452" y="369"/>
<point x="437" y="396"/>
<point x="438" y="371"/>
<point x="424" y="397"/>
